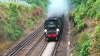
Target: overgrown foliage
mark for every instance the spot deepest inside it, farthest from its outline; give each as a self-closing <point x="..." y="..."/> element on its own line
<point x="14" y="20"/>
<point x="87" y="44"/>
<point x="91" y="8"/>
<point x="38" y="3"/>
<point x="11" y="18"/>
<point x="95" y="42"/>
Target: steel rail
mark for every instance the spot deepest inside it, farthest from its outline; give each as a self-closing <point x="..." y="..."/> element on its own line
<point x="38" y="41"/>
<point x="43" y="49"/>
<point x="24" y="42"/>
<point x="57" y="44"/>
<point x="55" y="49"/>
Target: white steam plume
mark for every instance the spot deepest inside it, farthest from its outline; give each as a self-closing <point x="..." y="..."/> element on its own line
<point x="56" y="8"/>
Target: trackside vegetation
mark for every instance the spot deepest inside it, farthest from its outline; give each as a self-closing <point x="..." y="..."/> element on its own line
<point x="16" y="21"/>
<point x="85" y="18"/>
<point x="40" y="3"/>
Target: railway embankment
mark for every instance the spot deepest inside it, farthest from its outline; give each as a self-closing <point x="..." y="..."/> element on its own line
<point x="85" y="20"/>
<point x="16" y="21"/>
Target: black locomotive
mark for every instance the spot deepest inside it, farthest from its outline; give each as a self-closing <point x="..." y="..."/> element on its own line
<point x="53" y="27"/>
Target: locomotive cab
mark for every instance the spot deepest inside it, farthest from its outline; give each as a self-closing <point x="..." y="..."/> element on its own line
<point x="51" y="29"/>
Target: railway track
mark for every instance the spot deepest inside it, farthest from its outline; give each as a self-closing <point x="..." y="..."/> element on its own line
<point x="29" y="46"/>
<point x="37" y="42"/>
<point x="49" y="49"/>
<point x="53" y="45"/>
<point x="43" y="49"/>
<point x="55" y="49"/>
<point x="25" y="42"/>
<point x="37" y="47"/>
<point x="34" y="45"/>
<point x="58" y="43"/>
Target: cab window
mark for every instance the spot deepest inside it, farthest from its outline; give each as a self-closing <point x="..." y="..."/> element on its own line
<point x="51" y="24"/>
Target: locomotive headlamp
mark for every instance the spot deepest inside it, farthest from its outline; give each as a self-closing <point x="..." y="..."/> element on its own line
<point x="45" y="30"/>
<point x="57" y="30"/>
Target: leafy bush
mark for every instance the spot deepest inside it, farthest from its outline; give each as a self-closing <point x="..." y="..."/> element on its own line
<point x="2" y="32"/>
<point x="83" y="45"/>
<point x="14" y="10"/>
<point x="80" y="25"/>
<point x="78" y="15"/>
<point x="11" y="27"/>
<point x="89" y="3"/>
<point x="91" y="13"/>
<point x="9" y="30"/>
<point x="85" y="48"/>
<point x="21" y="8"/>
<point x="76" y="2"/>
<point x="97" y="9"/>
<point x="98" y="16"/>
<point x="29" y="22"/>
<point x="36" y="3"/>
<point x="91" y="9"/>
<point x="83" y="38"/>
<point x="34" y="6"/>
<point x="15" y="20"/>
<point x="97" y="31"/>
<point x="13" y="31"/>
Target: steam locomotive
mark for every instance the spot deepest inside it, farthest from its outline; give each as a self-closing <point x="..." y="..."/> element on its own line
<point x="53" y="27"/>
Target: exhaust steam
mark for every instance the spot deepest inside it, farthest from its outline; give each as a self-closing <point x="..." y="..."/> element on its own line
<point x="57" y="8"/>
